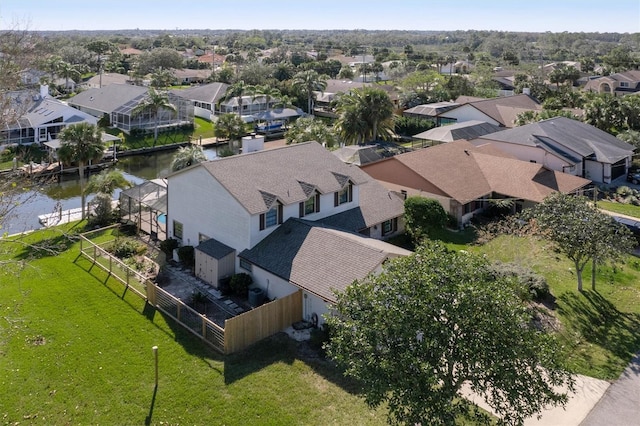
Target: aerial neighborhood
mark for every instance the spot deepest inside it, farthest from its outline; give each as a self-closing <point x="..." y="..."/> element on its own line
<point x="407" y="217"/>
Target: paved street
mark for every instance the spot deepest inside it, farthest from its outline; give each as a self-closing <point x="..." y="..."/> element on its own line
<point x="620" y="405"/>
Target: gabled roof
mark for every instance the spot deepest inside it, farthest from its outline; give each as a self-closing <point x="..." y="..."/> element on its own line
<point x="504" y="109"/>
<point x="318" y="258"/>
<point x="48" y="109"/>
<point x="377" y="204"/>
<point x="581" y="138"/>
<point x="210" y="93"/>
<point x="108" y="98"/>
<point x="279" y="172"/>
<point x="466" y="130"/>
<point x="464" y="172"/>
<point x="358" y="154"/>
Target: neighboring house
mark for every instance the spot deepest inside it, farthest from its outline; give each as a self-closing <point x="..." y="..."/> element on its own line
<point x="318" y="259"/>
<point x="433" y="111"/>
<point x="189" y="76"/>
<point x="335" y="87"/>
<point x="618" y="84"/>
<point x="566" y="145"/>
<point x="43" y="119"/>
<point x="106" y="79"/>
<point x="32" y="76"/>
<point x="117" y="101"/>
<point x="358" y="154"/>
<point x="250" y="105"/>
<point x="464" y="177"/>
<point x="466" y="130"/>
<point x="203" y="98"/>
<point x="501" y="111"/>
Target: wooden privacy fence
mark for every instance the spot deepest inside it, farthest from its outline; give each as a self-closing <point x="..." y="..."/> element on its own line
<point x="252" y="326"/>
<point x="238" y="333"/>
<point x="189" y="318"/>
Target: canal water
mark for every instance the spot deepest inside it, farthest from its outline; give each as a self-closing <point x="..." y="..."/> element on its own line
<point x="66" y="192"/>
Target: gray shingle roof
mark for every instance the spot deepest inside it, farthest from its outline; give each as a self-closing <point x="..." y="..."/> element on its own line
<point x="210" y="93"/>
<point x="318" y="258"/>
<point x="579" y="137"/>
<point x="466" y="130"/>
<point x="278" y="173"/>
<point x="108" y="98"/>
<point x="214" y="248"/>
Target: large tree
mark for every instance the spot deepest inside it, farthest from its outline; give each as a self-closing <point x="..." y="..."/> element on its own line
<point x="155" y="103"/>
<point x="308" y="82"/>
<point x="422" y="216"/>
<point x="82" y="144"/>
<point x="580" y="231"/>
<point x="436" y="321"/>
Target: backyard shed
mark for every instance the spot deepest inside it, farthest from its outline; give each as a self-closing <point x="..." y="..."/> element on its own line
<point x="214" y="261"/>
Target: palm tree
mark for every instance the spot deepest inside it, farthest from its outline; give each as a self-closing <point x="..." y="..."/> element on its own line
<point x="104" y="185"/>
<point x="364" y="114"/>
<point x="230" y="126"/>
<point x="81" y="143"/>
<point x="269" y="93"/>
<point x="154" y="103"/>
<point x="67" y="70"/>
<point x="308" y="82"/>
<point x="237" y="90"/>
<point x="187" y="156"/>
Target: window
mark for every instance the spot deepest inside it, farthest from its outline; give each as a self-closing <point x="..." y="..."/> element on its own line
<point x="624" y="84"/>
<point x="389" y="226"/>
<point x="202" y="237"/>
<point x="311" y="205"/>
<point x="404" y="194"/>
<point x="177" y="229"/>
<point x="344" y="196"/>
<point x="245" y="264"/>
<point x="272" y="217"/>
<point x="469" y="207"/>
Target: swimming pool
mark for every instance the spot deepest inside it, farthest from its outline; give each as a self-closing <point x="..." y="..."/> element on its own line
<point x="162" y="218"/>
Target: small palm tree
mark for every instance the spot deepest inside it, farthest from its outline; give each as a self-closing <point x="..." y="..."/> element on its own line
<point x="69" y="71"/>
<point x="187" y="156"/>
<point x="230" y="126"/>
<point x="364" y="114"/>
<point x="104" y="185"/>
<point x="237" y="90"/>
<point x="82" y="144"/>
<point x="154" y="103"/>
<point x="308" y="82"/>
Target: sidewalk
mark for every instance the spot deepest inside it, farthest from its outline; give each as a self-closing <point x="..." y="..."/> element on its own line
<point x="588" y="392"/>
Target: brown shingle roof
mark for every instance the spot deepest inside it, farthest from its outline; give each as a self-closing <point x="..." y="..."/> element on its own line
<point x="465" y="173"/>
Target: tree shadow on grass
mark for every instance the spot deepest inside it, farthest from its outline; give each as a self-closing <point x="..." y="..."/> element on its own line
<point x="31" y="250"/>
<point x="600" y="323"/>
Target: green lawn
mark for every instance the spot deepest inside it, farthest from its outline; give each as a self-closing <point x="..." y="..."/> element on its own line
<point x="75" y="350"/>
<point x="627" y="209"/>
<point x="600" y="330"/>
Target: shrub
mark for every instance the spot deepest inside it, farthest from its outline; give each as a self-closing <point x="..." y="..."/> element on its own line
<point x="422" y="216"/>
<point x="531" y="285"/>
<point x="167" y="246"/>
<point x="240" y="284"/>
<point x="186" y="254"/>
<point x="127" y="247"/>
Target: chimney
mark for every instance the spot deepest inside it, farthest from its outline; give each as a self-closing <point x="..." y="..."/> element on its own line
<point x="526" y="91"/>
<point x="44" y="91"/>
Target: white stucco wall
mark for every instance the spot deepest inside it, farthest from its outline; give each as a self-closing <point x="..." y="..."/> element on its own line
<point x="468" y="113"/>
<point x="594" y="171"/>
<point x="203" y="206"/>
<point x="539" y="155"/>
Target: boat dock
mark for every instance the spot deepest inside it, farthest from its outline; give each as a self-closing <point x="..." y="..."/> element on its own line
<point x="60" y="217"/>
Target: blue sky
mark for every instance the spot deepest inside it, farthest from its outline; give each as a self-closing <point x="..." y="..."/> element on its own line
<point x="501" y="15"/>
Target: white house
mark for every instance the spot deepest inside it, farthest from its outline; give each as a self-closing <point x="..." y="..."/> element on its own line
<point x="241" y="200"/>
<point x="41" y="119"/>
<point x="566" y="145"/>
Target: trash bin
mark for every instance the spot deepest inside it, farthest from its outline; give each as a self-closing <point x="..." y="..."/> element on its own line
<point x="256" y="296"/>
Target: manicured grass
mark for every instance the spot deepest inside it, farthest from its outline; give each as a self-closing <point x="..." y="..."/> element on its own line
<point x="75" y="349"/>
<point x="627" y="209"/>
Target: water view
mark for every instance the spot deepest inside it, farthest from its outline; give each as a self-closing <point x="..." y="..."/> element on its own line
<point x="66" y="192"/>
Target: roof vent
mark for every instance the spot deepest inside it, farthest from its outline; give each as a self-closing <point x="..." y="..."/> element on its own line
<point x="466" y="152"/>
